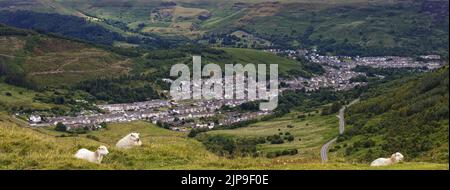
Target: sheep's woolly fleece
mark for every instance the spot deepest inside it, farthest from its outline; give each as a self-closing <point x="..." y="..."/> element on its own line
<point x="129" y="141"/>
<point x="94" y="157"/>
<point x="395" y="158"/>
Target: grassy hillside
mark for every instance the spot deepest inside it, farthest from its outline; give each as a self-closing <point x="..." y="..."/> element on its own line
<point x="308" y="134"/>
<point x="48" y="61"/>
<point x="12" y="97"/>
<point x="26" y="148"/>
<point x="352" y="27"/>
<point x="408" y="116"/>
<point x="359" y="28"/>
<point x="243" y="56"/>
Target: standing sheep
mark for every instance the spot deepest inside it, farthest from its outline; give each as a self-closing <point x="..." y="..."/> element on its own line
<point x="94" y="157"/>
<point x="129" y="141"/>
<point x="395" y="158"/>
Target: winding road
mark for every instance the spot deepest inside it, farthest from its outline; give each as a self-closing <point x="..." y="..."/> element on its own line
<point x="325" y="147"/>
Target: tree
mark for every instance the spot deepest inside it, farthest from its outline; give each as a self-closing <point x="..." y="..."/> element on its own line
<point x="60" y="100"/>
<point x="104" y="125"/>
<point x="61" y="127"/>
<point x="290" y="138"/>
<point x="335" y="107"/>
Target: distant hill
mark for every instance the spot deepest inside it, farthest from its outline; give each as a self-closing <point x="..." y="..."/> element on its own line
<point x="36" y="61"/>
<point x="350" y="27"/>
<point x="80" y="28"/>
<point x="31" y="59"/>
<point x="409" y="115"/>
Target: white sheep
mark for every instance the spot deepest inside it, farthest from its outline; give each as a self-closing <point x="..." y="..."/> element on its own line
<point x="129" y="141"/>
<point x="395" y="158"/>
<point x="95" y="157"/>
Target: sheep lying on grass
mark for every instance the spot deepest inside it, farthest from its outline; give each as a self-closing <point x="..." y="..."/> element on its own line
<point x="129" y="141"/>
<point x="95" y="157"/>
<point x="395" y="158"/>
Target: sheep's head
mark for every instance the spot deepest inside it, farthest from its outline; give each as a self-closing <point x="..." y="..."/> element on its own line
<point x="102" y="150"/>
<point x="135" y="138"/>
<point x="397" y="157"/>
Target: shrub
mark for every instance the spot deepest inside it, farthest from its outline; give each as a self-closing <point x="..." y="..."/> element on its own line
<point x="104" y="125"/>
<point x="77" y="131"/>
<point x="282" y="153"/>
<point x="277" y="141"/>
<point x="194" y="132"/>
<point x="61" y="127"/>
<point x="290" y="138"/>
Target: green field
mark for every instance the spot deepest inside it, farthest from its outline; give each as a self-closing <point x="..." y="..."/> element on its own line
<point x="245" y="56"/>
<point x="310" y="134"/>
<point x="11" y="96"/>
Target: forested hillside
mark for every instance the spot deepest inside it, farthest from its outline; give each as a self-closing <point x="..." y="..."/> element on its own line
<point x="409" y="115"/>
<point x="348" y="27"/>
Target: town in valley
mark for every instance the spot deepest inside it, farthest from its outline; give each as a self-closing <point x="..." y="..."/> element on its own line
<point x="339" y="75"/>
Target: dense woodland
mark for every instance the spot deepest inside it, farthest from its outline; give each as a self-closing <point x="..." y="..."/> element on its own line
<point x="121" y="90"/>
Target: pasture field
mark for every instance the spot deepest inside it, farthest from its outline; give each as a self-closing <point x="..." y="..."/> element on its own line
<point x="245" y="56"/>
<point x="12" y="96"/>
<point x="310" y="133"/>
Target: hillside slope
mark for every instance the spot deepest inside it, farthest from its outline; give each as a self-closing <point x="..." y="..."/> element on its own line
<point x="31" y="59"/>
<point x="351" y="27"/>
<point x="27" y="148"/>
<point x="408" y="116"/>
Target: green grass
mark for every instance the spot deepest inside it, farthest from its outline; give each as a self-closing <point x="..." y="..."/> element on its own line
<point x="26" y="148"/>
<point x="409" y="115"/>
<point x="314" y="132"/>
<point x="51" y="61"/>
<point x="245" y="56"/>
<point x="20" y="97"/>
<point x="222" y="21"/>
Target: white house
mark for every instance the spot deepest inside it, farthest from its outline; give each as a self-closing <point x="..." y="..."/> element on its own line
<point x="35" y="118"/>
